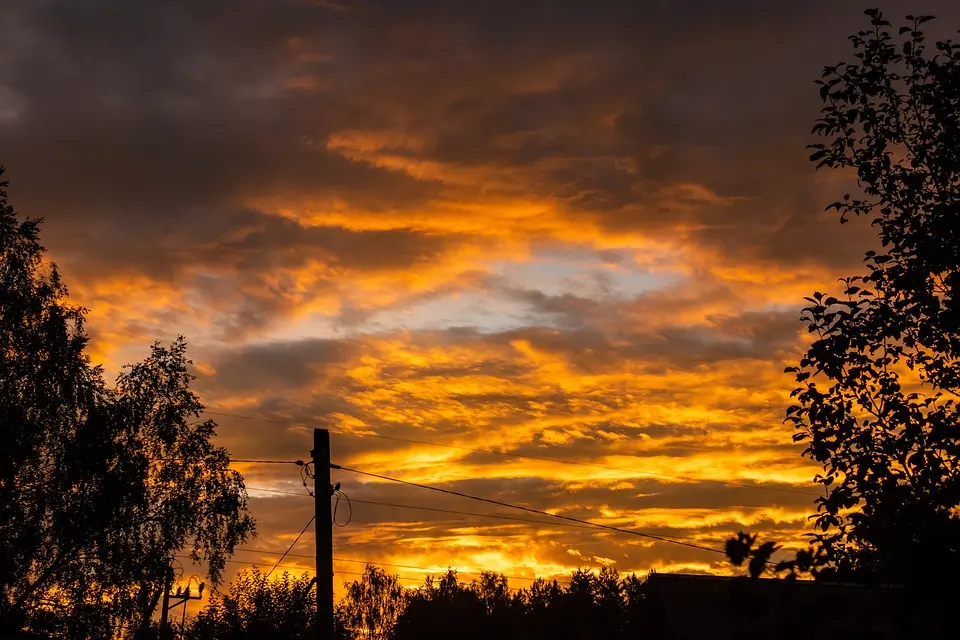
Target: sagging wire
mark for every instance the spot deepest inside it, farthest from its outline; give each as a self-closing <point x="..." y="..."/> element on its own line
<point x="338" y="495"/>
<point x="177" y="569"/>
<point x="500" y="503"/>
<point x="293" y="544"/>
<point x="307" y="474"/>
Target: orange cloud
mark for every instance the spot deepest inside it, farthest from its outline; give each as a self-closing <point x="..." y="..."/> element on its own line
<point x="572" y="245"/>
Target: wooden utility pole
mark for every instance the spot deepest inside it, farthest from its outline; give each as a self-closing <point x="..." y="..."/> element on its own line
<point x="181" y="597"/>
<point x="165" y="607"/>
<point x="322" y="490"/>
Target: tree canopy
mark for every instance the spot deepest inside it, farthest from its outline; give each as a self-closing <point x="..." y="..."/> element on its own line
<point x="99" y="485"/>
<point x="257" y="607"/>
<point x="876" y="396"/>
<point x="593" y="605"/>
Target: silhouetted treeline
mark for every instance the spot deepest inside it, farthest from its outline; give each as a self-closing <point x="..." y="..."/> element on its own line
<point x="377" y="607"/>
<point x="591" y="605"/>
<point x="588" y="605"/>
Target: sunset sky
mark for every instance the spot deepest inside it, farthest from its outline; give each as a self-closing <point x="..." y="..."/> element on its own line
<point x="569" y="230"/>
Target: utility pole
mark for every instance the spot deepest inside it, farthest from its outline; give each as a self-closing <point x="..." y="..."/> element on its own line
<point x="181" y="596"/>
<point x="322" y="490"/>
<point x="165" y="607"/>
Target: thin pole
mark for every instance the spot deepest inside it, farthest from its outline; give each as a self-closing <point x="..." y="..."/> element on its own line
<point x="165" y="607"/>
<point x="324" y="526"/>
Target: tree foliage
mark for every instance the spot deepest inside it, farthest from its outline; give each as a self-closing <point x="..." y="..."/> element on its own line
<point x="373" y="604"/>
<point x="99" y="486"/>
<point x="283" y="608"/>
<point x="593" y="605"/>
<point x="877" y="389"/>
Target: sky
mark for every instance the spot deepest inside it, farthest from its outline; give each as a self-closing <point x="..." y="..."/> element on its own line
<point x="563" y="230"/>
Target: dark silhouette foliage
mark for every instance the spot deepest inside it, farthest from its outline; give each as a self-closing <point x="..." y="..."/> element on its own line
<point x="594" y="605"/>
<point x="281" y="608"/>
<point x="877" y="388"/>
<point x="99" y="486"/>
<point x="372" y="604"/>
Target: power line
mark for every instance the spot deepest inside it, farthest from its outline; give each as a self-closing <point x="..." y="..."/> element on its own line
<point x="521" y="456"/>
<point x="293" y="544"/>
<point x="253" y="564"/>
<point x="399" y="577"/>
<point x="274" y="552"/>
<point x="299" y="494"/>
<point x="428" y="570"/>
<point x="434" y="509"/>
<point x="573" y="525"/>
<point x="432" y="571"/>
<point x="358" y="573"/>
<point x="296" y="462"/>
<point x="470" y="513"/>
<point x="530" y="510"/>
<point x="438" y="510"/>
<point x="387" y="564"/>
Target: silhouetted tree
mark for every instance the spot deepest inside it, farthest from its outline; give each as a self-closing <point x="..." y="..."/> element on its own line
<point x="636" y="607"/>
<point x="541" y="603"/>
<point x="282" y="608"/>
<point x="877" y="395"/>
<point x="99" y="486"/>
<point x="372" y="604"/>
<point x="592" y="606"/>
<point x="441" y="608"/>
<point x="376" y="606"/>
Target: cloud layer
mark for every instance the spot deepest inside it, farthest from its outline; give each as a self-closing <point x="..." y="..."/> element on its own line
<point x="551" y="229"/>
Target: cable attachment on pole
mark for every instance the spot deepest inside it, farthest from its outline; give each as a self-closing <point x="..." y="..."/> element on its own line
<point x="338" y="495"/>
<point x="306" y="473"/>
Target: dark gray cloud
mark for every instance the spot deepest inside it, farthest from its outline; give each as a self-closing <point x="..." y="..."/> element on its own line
<point x="285" y="365"/>
<point x="137" y="123"/>
<point x="161" y="141"/>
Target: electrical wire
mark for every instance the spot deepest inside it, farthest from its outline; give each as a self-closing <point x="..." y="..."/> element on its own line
<point x="293" y="544"/>
<point x="288" y="493"/>
<point x="256" y="564"/>
<point x="307" y="474"/>
<point x="472" y="513"/>
<point x="378" y="564"/>
<point x="232" y="460"/>
<point x="456" y="512"/>
<point x="338" y="495"/>
<point x="358" y="573"/>
<point x="521" y="456"/>
<point x="431" y="571"/>
<point x="385" y="564"/>
<point x="178" y="568"/>
<point x="641" y="534"/>
<point x="275" y="552"/>
<point x="434" y="509"/>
